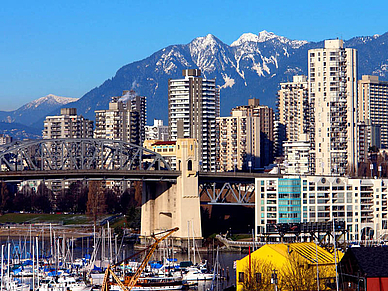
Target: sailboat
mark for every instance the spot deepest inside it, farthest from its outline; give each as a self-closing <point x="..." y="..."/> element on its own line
<point x="196" y="272"/>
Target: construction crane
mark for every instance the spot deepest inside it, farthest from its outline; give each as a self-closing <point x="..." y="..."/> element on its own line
<point x="132" y="282"/>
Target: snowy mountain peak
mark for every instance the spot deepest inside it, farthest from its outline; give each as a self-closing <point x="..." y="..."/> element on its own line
<point x="265" y="35"/>
<point x="50" y="99"/>
<point x="245" y="37"/>
<point x="205" y="41"/>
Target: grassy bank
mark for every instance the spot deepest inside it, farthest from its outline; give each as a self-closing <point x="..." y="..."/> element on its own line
<point x="66" y="219"/>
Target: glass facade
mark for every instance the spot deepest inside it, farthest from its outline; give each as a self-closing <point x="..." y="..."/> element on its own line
<point x="289" y="190"/>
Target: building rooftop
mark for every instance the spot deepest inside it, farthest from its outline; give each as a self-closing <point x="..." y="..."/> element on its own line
<point x="371" y="261"/>
<point x="308" y="251"/>
<point x="164" y="143"/>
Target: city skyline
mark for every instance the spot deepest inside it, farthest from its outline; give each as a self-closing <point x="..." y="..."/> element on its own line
<point x="67" y="49"/>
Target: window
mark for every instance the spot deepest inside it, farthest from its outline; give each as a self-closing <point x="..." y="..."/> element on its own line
<point x="241" y="276"/>
<point x="258" y="278"/>
<point x="190" y="165"/>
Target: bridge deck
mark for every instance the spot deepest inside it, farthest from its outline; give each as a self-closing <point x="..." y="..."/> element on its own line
<point x="93" y="174"/>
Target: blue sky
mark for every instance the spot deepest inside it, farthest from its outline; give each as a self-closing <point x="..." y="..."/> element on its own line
<point x="68" y="47"/>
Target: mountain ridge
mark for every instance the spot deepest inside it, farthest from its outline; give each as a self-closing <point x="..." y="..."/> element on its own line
<point x="251" y="66"/>
<point x="30" y="112"/>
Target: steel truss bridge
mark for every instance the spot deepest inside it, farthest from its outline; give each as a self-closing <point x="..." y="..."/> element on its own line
<point x="100" y="159"/>
<point x="216" y="189"/>
<point x="61" y="158"/>
<point x="229" y="188"/>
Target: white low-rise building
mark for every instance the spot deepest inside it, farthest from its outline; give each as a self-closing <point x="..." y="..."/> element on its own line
<point x="360" y="203"/>
<point x="297" y="156"/>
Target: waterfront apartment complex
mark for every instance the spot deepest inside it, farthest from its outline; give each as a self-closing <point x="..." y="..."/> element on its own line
<point x="360" y="203"/>
<point x="239" y="141"/>
<point x="124" y="120"/>
<point x="193" y="106"/>
<point x="333" y="108"/>
<point x="67" y="125"/>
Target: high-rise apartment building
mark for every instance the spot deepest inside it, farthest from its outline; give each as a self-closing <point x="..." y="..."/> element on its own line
<point x="67" y="125"/>
<point x="373" y="107"/>
<point x="158" y="131"/>
<point x="333" y="104"/>
<point x="193" y="106"/>
<point x="239" y="141"/>
<point x="293" y="108"/>
<point x="368" y="135"/>
<point x="266" y="121"/>
<point x="124" y="120"/>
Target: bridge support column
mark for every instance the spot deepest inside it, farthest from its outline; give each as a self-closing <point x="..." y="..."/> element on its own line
<point x="166" y="205"/>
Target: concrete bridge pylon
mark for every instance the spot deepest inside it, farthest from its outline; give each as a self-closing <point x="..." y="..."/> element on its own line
<point x="167" y="204"/>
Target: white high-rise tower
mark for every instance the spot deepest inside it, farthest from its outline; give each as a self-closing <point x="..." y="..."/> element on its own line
<point x="193" y="106"/>
<point x="333" y="102"/>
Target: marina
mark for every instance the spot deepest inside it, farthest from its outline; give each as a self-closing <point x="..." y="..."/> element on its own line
<point x="57" y="263"/>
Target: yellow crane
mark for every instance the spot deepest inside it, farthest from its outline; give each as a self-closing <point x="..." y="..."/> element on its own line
<point x="128" y="287"/>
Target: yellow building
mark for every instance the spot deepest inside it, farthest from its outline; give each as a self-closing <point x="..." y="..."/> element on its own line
<point x="170" y="150"/>
<point x="295" y="266"/>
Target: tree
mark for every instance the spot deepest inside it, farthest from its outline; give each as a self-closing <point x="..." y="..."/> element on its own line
<point x="133" y="217"/>
<point x="257" y="276"/>
<point x="6" y="199"/>
<point x="112" y="201"/>
<point x="23" y="199"/>
<point x="64" y="201"/>
<point x="96" y="200"/>
<point x="125" y="201"/>
<point x="42" y="200"/>
<point x="298" y="275"/>
<point x="81" y="199"/>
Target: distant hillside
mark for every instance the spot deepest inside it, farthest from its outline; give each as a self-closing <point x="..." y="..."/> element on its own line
<point x="33" y="111"/>
<point x="20" y="131"/>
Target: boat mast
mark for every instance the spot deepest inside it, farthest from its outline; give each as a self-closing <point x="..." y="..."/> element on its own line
<point x="188" y="240"/>
<point x="192" y="228"/>
<point x="2" y="267"/>
<point x="335" y="257"/>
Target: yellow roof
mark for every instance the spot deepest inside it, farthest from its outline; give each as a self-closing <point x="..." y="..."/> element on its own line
<point x="308" y="250"/>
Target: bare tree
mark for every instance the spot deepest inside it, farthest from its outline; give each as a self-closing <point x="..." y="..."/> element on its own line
<point x="298" y="275"/>
<point x="5" y="197"/>
<point x="257" y="276"/>
<point x="96" y="200"/>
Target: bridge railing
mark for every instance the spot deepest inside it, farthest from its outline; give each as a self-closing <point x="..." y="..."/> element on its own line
<point x="78" y="154"/>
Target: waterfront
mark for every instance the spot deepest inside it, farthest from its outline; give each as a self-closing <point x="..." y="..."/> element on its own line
<point x="115" y="250"/>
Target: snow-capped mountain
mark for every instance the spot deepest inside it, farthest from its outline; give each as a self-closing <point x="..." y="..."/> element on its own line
<point x="252" y="66"/>
<point x="31" y="112"/>
<point x="49" y="100"/>
<point x="264" y="36"/>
